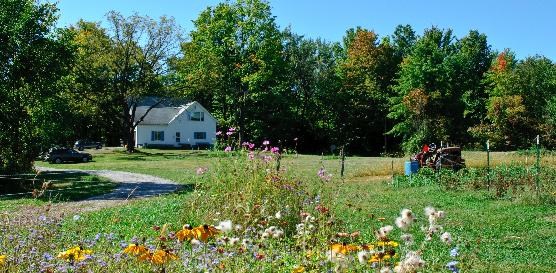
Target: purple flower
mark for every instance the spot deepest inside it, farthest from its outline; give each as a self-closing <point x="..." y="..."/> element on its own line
<point x="47" y="256"/>
<point x="454" y="252"/>
<point x="228" y="149"/>
<point x="218" y="133"/>
<point x="452" y="266"/>
<point x="323" y="175"/>
<point x="232" y="129"/>
<point x="275" y="150"/>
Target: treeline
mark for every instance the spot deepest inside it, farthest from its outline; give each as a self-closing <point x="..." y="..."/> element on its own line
<point x="371" y="93"/>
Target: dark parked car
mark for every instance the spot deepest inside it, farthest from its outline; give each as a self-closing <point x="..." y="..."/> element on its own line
<point x="59" y="155"/>
<point x="85" y="144"/>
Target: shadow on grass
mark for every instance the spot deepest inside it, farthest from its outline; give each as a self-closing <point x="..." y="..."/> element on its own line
<point x="54" y="186"/>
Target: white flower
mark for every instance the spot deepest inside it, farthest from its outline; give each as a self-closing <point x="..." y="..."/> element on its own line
<point x="278" y="215"/>
<point x="412" y="262"/>
<point x="407" y="216"/>
<point x="238" y="228"/>
<point x="271" y="229"/>
<point x="432" y="219"/>
<point x="278" y="234"/>
<point x="401" y="223"/>
<point x="246" y="243"/>
<point x="407" y="239"/>
<point x="76" y="217"/>
<point x="195" y="242"/>
<point x="265" y="235"/>
<point x="429" y="210"/>
<point x="382" y="233"/>
<point x="440" y="214"/>
<point x="386" y="270"/>
<point x="233" y="241"/>
<point x="363" y="256"/>
<point x="446" y="237"/>
<point x="225" y="226"/>
<point x="435" y="229"/>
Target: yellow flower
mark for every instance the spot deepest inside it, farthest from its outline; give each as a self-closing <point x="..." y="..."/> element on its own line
<point x="299" y="269"/>
<point x="74" y="254"/>
<point x="204" y="232"/>
<point x="388" y="243"/>
<point x="185" y="234"/>
<point x="2" y="260"/>
<point x="135" y="249"/>
<point x="162" y="256"/>
<point x="343" y="248"/>
<point x="147" y="256"/>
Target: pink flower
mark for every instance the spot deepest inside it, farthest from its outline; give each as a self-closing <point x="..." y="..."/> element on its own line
<point x="275" y="150"/>
<point x="201" y="170"/>
<point x="229" y="133"/>
<point x="232" y="129"/>
<point x="251" y="146"/>
<point x="228" y="149"/>
<point x="218" y="133"/>
<point x="266" y="142"/>
<point x="323" y="175"/>
<point x="267" y="158"/>
<point x="251" y="155"/>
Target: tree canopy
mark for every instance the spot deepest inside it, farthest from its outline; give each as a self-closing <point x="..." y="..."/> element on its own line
<point x="371" y="93"/>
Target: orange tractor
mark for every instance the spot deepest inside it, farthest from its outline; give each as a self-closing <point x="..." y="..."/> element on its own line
<point x="441" y="158"/>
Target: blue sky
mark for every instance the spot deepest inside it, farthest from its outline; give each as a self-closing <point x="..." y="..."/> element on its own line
<point x="528" y="27"/>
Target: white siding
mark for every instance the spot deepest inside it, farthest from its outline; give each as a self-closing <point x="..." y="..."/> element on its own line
<point x="181" y="124"/>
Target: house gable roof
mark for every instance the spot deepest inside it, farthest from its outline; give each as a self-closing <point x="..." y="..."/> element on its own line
<point x="165" y="115"/>
<point x="157" y="116"/>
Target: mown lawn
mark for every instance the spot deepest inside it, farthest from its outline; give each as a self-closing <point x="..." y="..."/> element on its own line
<point x="494" y="235"/>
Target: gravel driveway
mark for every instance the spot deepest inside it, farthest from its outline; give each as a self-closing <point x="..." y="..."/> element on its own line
<point x="130" y="185"/>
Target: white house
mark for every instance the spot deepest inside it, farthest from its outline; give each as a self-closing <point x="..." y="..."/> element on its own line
<point x="186" y="125"/>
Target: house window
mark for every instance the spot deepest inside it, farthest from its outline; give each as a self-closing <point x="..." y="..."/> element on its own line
<point x="178" y="137"/>
<point x="197" y="116"/>
<point x="200" y="135"/>
<point x="157" y="135"/>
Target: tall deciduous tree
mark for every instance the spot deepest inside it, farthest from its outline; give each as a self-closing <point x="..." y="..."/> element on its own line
<point x="421" y="107"/>
<point x="233" y="64"/>
<point x="121" y="65"/>
<point x="520" y="95"/>
<point x="362" y="100"/>
<point x="33" y="58"/>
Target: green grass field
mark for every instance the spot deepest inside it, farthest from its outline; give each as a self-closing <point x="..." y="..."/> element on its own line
<point x="494" y="235"/>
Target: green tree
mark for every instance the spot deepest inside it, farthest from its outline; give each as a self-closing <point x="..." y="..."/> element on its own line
<point x="362" y="100"/>
<point x="119" y="66"/>
<point x="33" y="58"/>
<point x="233" y="64"/>
<point x="311" y="77"/>
<point x="520" y="93"/>
<point x="421" y="106"/>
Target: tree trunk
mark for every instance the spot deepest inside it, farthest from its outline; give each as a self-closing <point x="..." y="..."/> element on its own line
<point x="130" y="139"/>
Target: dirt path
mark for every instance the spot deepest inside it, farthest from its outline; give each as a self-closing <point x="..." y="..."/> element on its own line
<point x="130" y="186"/>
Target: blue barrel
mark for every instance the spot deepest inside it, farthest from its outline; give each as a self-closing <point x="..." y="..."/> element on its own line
<point x="411" y="167"/>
